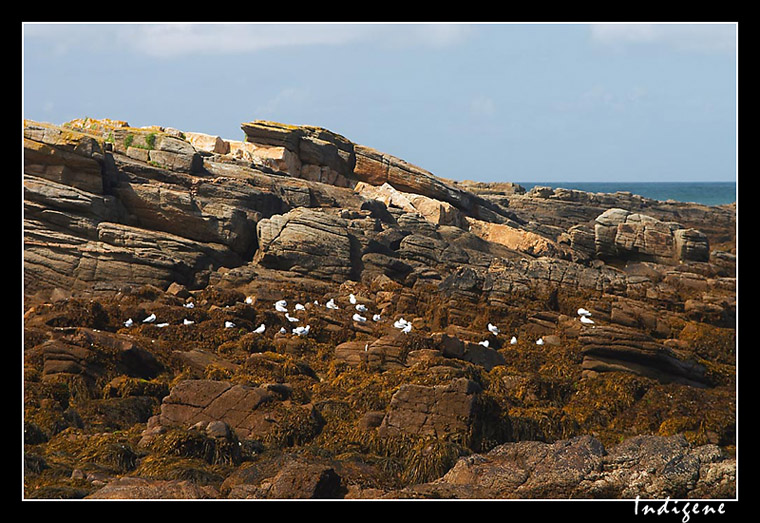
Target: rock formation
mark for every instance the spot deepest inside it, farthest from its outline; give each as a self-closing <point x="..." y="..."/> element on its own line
<point x="152" y="256"/>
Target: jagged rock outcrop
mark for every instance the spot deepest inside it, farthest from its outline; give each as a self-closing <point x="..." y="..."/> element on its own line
<point x="203" y="235"/>
<point x="623" y="234"/>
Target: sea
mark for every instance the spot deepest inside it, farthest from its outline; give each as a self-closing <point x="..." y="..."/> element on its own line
<point x="706" y="193"/>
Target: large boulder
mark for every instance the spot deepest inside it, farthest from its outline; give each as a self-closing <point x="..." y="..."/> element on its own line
<point x="441" y="411"/>
<point x="623" y="234"/>
<point x="306" y="242"/>
<point x="250" y="412"/>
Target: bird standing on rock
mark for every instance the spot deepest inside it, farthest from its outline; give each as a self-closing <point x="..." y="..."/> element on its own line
<point x="360" y="319"/>
<point x="493" y="329"/>
<point x="301" y="331"/>
<point x="331" y="304"/>
<point x="281" y="306"/>
<point x="352" y="299"/>
<point x="261" y="328"/>
<point x="150" y="319"/>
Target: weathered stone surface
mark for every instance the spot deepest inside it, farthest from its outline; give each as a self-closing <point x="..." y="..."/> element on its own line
<point x="208" y="143"/>
<point x="609" y="348"/>
<point x="63" y="156"/>
<point x="93" y="354"/>
<point x="647" y="466"/>
<point x="452" y="347"/>
<point x="377" y="168"/>
<point x="435" y="211"/>
<point x="517" y="239"/>
<point x="434" y="411"/>
<point x="306" y="242"/>
<point x="285" y="477"/>
<point x="622" y="234"/>
<point x="141" y="488"/>
<point x="251" y="412"/>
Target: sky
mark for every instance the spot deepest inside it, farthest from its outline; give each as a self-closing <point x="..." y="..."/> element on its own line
<point x="492" y="102"/>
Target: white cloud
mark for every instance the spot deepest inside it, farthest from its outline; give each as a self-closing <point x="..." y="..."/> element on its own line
<point x="165" y="40"/>
<point x="706" y="37"/>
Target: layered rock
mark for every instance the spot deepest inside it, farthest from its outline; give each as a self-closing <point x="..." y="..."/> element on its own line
<point x="207" y="233"/>
<point x="623" y="234"/>
<point x="620" y="349"/>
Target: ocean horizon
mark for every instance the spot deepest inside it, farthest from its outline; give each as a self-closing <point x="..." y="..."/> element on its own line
<point x="705" y="193"/>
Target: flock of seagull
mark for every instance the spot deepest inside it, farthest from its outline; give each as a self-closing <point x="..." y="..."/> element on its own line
<point x="401" y="324"/>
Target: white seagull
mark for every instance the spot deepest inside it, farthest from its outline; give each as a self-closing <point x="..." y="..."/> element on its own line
<point x="187" y="322"/>
<point x="587" y="320"/>
<point x="583" y="312"/>
<point x="300" y="307"/>
<point x="407" y="328"/>
<point x="493" y="328"/>
<point x="161" y="324"/>
<point x="281" y="306"/>
<point x="228" y="325"/>
<point x="261" y="328"/>
<point x="249" y="300"/>
<point x="360" y="319"/>
<point x="400" y="323"/>
<point x="540" y="341"/>
<point x="316" y="303"/>
<point x="128" y="323"/>
<point x="513" y="341"/>
<point x="331" y="304"/>
<point x="283" y="330"/>
<point x="376" y="317"/>
<point x="361" y="308"/>
<point x="291" y="318"/>
<point x="301" y="331"/>
<point x="150" y="319"/>
<point x="352" y="299"/>
<point x="189" y="305"/>
<point x="483" y="343"/>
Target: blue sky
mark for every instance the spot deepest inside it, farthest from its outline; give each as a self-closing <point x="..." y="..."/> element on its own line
<point x="486" y="102"/>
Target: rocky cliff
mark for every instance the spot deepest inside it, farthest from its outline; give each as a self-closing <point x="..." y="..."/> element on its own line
<point x="433" y="338"/>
